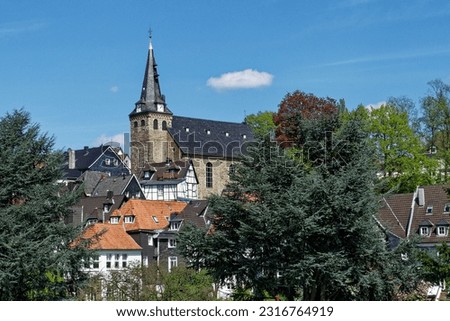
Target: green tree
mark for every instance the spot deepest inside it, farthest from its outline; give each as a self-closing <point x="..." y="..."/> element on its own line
<point x="38" y="260"/>
<point x="261" y="124"/>
<point x="303" y="229"/>
<point x="436" y="264"/>
<point x="436" y="120"/>
<point x="400" y="158"/>
<point x="144" y="283"/>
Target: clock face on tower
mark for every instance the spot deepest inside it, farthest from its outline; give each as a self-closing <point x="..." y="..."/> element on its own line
<point x="160" y="107"/>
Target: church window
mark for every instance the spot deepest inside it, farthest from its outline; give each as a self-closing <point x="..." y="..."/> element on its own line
<point x="143" y="122"/>
<point x="209" y="175"/>
<point x="135" y="124"/>
<point x="164" y="125"/>
<point x="155" y="124"/>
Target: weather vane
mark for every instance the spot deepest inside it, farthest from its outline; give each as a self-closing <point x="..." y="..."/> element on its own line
<point x="150" y="33"/>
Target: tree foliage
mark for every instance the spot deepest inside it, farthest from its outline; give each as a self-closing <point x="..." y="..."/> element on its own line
<point x="303" y="228"/>
<point x="261" y="124"/>
<point x="401" y="157"/>
<point x="299" y="109"/>
<point x="144" y="283"/>
<point x="37" y="258"/>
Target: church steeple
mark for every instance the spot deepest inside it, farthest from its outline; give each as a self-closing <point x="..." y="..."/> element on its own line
<point x="151" y="99"/>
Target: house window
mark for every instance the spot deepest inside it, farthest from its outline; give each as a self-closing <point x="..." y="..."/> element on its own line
<point x="95" y="262"/>
<point x="155" y="124"/>
<point x="114" y="219"/>
<point x="147" y="175"/>
<point x="116" y="260"/>
<point x="209" y="175"/>
<point x="430" y="209"/>
<point x="142" y="122"/>
<point x="175" y="226"/>
<point x="442" y="230"/>
<point x="164" y="125"/>
<point x="155" y="219"/>
<point x="173" y="262"/>
<point x="424" y="231"/>
<point x="108" y="261"/>
<point x="129" y="219"/>
<point x="124" y="260"/>
<point x="116" y="162"/>
<point x="172" y="243"/>
<point x="135" y="124"/>
<point x="447" y="208"/>
<point x="107" y="162"/>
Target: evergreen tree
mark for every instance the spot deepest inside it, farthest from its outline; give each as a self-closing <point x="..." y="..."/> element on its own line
<point x="37" y="258"/>
<point x="303" y="228"/>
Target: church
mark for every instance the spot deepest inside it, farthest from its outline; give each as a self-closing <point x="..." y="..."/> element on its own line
<point x="157" y="135"/>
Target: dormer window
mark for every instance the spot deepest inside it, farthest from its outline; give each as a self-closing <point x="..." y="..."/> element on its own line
<point x="147" y="175"/>
<point x="186" y="129"/>
<point x="129" y="219"/>
<point x="155" y="219"/>
<point x="447" y="208"/>
<point x="442" y="230"/>
<point x="424" y="231"/>
<point x="429" y="209"/>
<point x="208" y="132"/>
<point x="227" y="134"/>
<point x="106" y="207"/>
<point x="175" y="226"/>
<point x="114" y="219"/>
<point x="244" y="136"/>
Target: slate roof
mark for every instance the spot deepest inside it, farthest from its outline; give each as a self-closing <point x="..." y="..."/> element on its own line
<point x="165" y="172"/>
<point x="109" y="237"/>
<point x="92" y="208"/>
<point x="195" y="212"/>
<point x="114" y="184"/>
<point x="144" y="211"/>
<point x="202" y="137"/>
<point x="394" y="213"/>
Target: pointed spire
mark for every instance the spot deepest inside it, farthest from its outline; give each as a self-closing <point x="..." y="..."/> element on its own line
<point x="151" y="98"/>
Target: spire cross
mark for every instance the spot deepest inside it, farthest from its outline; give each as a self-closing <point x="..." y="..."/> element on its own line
<point x="150" y="33"/>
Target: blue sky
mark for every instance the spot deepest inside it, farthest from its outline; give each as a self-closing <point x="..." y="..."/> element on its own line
<point x="77" y="66"/>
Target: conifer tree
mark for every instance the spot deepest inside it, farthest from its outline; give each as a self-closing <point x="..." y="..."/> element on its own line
<point x="37" y="258"/>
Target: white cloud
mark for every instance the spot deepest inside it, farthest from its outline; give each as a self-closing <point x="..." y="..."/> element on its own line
<point x="375" y="106"/>
<point x="247" y="78"/>
<point x="104" y="139"/>
<point x="114" y="89"/>
<point x="14" y="28"/>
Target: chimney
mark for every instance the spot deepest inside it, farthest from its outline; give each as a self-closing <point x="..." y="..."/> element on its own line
<point x="421" y="196"/>
<point x="71" y="158"/>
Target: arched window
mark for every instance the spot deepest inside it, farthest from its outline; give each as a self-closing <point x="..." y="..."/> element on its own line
<point x="209" y="175"/>
<point x="143" y="122"/>
<point x="164" y="125"/>
<point x="155" y="124"/>
<point x="135" y="124"/>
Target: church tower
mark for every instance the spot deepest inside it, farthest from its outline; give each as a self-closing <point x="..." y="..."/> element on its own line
<point x="149" y="121"/>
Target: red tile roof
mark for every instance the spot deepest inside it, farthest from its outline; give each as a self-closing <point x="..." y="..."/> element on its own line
<point x="148" y="215"/>
<point x="109" y="237"/>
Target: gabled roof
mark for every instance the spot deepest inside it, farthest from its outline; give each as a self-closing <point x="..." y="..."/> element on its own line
<point x="92" y="208"/>
<point x="170" y="171"/>
<point x="404" y="214"/>
<point x="109" y="237"/>
<point x="114" y="184"/>
<point x="394" y="213"/>
<point x="194" y="213"/>
<point x="202" y="137"/>
<point x="148" y="215"/>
